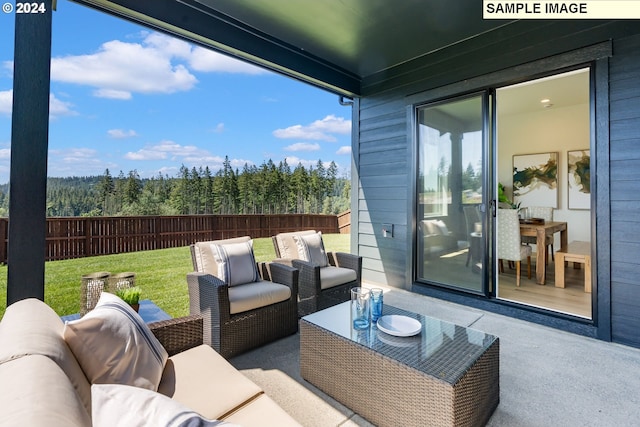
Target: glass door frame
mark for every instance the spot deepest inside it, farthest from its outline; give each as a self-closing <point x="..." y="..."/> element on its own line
<point x="596" y="56"/>
<point x="487" y="112"/>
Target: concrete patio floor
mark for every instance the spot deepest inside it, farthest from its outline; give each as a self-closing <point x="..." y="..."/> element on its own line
<point x="547" y="377"/>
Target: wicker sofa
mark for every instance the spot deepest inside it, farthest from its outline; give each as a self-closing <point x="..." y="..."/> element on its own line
<point x="436" y="238"/>
<point x="42" y="382"/>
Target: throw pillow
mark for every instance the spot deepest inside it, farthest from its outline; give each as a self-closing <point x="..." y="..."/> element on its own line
<point x="442" y="226"/>
<point x="114" y="345"/>
<point x="311" y="249"/>
<point x="121" y="405"/>
<point x="236" y="263"/>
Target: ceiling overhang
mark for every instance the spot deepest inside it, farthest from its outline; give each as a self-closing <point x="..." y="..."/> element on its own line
<point x="332" y="44"/>
<point x="187" y="20"/>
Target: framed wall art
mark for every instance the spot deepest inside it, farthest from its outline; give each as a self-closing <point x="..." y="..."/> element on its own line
<point x="535" y="179"/>
<point x="579" y="178"/>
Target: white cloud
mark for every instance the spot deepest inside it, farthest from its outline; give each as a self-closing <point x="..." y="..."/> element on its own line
<point x="164" y="150"/>
<point x="6" y="100"/>
<point x="121" y="133"/>
<point x="75" y="162"/>
<point x="8" y="66"/>
<point x="294" y="161"/>
<point x="145" y="154"/>
<point x="206" y="60"/>
<point x="219" y="128"/>
<point x="345" y="149"/>
<point x="74" y="155"/>
<point x="322" y="130"/>
<point x="113" y="94"/>
<point x="5" y="153"/>
<point x="302" y="146"/>
<point x="170" y="45"/>
<point x="119" y="69"/>
<point x="57" y="107"/>
<point x="187" y="154"/>
<point x="158" y="64"/>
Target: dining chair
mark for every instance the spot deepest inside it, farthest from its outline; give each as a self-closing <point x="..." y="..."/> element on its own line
<point x="545" y="213"/>
<point x="510" y="247"/>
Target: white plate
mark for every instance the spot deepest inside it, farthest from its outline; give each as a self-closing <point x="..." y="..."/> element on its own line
<point x="400" y="326"/>
<point x="405" y="342"/>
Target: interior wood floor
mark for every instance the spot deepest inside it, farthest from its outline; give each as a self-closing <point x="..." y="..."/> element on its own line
<point x="451" y="269"/>
<point x="572" y="299"/>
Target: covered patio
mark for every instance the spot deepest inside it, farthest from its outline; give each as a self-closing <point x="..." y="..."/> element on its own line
<point x="378" y="58"/>
<point x="547" y="377"/>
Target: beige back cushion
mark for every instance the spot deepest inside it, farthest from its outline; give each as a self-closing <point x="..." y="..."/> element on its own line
<point x="31" y="327"/>
<point x="115" y="346"/>
<point x="287" y="245"/>
<point x="36" y="392"/>
<point x="204" y="259"/>
<point x="311" y="249"/>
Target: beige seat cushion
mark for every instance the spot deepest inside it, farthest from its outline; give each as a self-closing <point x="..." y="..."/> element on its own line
<point x="36" y="392"/>
<point x="204" y="381"/>
<point x="334" y="276"/>
<point x="31" y="327"/>
<point x="287" y="245"/>
<point x="263" y="412"/>
<point x="255" y="295"/>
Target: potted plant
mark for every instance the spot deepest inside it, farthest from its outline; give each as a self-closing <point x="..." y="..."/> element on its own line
<point x="131" y="296"/>
<point x="502" y="198"/>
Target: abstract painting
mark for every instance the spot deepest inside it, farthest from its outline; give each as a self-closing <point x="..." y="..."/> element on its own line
<point x="535" y="179"/>
<point x="579" y="176"/>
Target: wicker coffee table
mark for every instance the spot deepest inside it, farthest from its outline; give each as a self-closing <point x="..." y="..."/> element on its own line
<point x="446" y="375"/>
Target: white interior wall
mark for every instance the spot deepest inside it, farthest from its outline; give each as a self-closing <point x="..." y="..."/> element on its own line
<point x="548" y="130"/>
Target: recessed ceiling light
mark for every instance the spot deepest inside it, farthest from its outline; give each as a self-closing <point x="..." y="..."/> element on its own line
<point x="544" y="101"/>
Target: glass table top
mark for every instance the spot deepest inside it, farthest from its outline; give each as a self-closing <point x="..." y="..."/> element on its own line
<point x="441" y="349"/>
<point x="148" y="311"/>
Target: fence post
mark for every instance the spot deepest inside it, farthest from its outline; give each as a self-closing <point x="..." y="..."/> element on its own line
<point x="88" y="246"/>
<point x="4" y="226"/>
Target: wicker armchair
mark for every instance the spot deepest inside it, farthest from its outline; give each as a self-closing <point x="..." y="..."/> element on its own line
<point x="240" y="317"/>
<point x="178" y="334"/>
<point x="321" y="284"/>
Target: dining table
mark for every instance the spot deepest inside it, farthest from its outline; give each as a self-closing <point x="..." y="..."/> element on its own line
<point x="540" y="230"/>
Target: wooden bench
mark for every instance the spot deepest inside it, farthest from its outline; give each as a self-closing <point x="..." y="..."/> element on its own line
<point x="576" y="252"/>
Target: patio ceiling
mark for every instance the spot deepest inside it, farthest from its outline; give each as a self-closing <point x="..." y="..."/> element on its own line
<point x="335" y="44"/>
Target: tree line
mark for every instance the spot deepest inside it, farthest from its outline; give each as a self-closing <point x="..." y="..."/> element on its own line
<point x="264" y="189"/>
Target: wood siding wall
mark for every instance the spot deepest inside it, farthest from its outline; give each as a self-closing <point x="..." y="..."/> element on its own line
<point x="624" y="112"/>
<point x="77" y="237"/>
<point x="386" y="170"/>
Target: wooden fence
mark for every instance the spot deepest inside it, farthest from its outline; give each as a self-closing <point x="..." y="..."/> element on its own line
<point x="77" y="237"/>
<point x="344" y="222"/>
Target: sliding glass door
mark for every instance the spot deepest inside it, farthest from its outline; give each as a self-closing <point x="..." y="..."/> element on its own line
<point x="451" y="194"/>
<point x="525" y="146"/>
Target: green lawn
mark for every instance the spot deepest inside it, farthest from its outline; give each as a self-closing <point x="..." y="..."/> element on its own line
<point x="161" y="274"/>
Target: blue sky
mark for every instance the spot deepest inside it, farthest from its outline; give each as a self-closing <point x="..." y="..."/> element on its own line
<point x="124" y="97"/>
